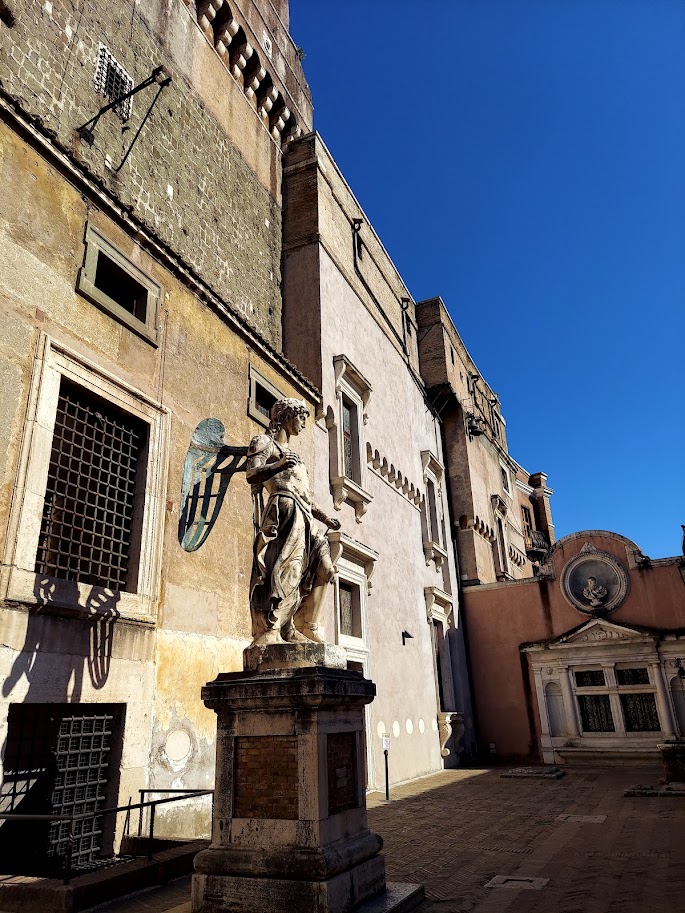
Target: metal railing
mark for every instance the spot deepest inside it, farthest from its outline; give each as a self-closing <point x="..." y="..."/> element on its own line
<point x="72" y="819"/>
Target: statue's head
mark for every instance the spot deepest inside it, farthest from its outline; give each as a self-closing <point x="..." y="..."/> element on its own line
<point x="284" y="411"/>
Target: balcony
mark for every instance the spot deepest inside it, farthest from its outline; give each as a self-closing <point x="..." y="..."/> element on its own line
<point x="536" y="543"/>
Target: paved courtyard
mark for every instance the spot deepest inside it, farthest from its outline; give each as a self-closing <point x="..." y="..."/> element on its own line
<point x="456" y="831"/>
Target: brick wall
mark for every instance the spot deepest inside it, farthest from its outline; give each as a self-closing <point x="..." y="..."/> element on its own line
<point x="204" y="173"/>
<point x="266" y="777"/>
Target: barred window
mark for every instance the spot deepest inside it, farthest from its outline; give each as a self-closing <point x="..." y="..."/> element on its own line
<point x="347" y="437"/>
<point x="639" y="713"/>
<point x="112" y="80"/>
<point x="638" y="676"/>
<point x="350" y="610"/>
<point x="595" y="713"/>
<point x="590" y="678"/>
<point x="89" y="528"/>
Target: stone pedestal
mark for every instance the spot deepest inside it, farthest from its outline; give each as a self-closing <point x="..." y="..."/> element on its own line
<point x="673" y="759"/>
<point x="290" y="830"/>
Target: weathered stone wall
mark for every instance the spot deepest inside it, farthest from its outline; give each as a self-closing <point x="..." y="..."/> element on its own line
<point x="220" y="231"/>
<point x="475" y="463"/>
<point x="204" y="173"/>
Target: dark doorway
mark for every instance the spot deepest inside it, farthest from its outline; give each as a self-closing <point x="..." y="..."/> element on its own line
<point x="60" y="759"/>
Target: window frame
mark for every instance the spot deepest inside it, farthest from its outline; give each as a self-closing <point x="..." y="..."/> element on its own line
<point x="355" y="563"/>
<point x="96" y="243"/>
<point x="257" y="379"/>
<point x="350" y="385"/>
<point x="432" y="512"/>
<point x="18" y="579"/>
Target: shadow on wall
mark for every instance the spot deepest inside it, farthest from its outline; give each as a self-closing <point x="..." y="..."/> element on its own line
<point x="86" y="643"/>
<point x="54" y="658"/>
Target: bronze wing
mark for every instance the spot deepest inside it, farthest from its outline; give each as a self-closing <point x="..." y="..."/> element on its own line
<point x="210" y="464"/>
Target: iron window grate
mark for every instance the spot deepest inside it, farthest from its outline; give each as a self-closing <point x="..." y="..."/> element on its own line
<point x="88" y="516"/>
<point x="81" y="752"/>
<point x="112" y="80"/>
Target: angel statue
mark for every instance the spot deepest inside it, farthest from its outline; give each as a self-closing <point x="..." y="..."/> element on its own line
<point x="291" y="565"/>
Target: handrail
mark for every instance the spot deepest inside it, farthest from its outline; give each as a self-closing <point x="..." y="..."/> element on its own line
<point x="152" y="804"/>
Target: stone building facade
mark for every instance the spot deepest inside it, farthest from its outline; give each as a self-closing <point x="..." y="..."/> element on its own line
<point x="350" y="326"/>
<point x="503" y="513"/>
<point x="584" y="661"/>
<point x="141" y="293"/>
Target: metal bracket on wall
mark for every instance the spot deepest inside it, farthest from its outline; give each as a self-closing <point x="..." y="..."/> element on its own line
<point x="160" y="76"/>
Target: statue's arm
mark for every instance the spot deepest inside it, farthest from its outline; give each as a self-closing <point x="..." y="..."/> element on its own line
<point x="321" y="515"/>
<point x="258" y="469"/>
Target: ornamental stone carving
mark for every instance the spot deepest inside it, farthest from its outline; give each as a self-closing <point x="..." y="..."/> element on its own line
<point x="594" y="582"/>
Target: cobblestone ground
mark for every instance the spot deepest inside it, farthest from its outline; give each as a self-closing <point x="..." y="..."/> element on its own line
<point x="457" y="830"/>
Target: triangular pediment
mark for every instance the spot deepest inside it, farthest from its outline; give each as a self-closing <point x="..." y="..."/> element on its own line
<point x="597" y="631"/>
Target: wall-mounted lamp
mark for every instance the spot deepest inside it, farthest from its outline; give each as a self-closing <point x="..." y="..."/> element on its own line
<point x="407" y="636"/>
<point x="473" y="426"/>
<point x="679" y="667"/>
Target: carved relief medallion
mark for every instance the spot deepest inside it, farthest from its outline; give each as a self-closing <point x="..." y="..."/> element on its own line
<point x="594" y="582"/>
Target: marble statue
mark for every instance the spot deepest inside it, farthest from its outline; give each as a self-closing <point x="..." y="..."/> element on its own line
<point x="594" y="592"/>
<point x="292" y="565"/>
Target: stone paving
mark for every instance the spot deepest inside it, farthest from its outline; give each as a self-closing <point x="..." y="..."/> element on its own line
<point x="458" y="830"/>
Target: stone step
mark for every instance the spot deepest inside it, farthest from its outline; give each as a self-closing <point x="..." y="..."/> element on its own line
<point x="29" y="894"/>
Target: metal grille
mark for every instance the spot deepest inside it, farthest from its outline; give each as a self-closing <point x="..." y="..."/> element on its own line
<point x="88" y="517"/>
<point x="112" y="80"/>
<point x="590" y="678"/>
<point x="82" y="750"/>
<point x="56" y="763"/>
<point x="639" y="713"/>
<point x="595" y="713"/>
<point x="632" y="676"/>
<point x="347" y="437"/>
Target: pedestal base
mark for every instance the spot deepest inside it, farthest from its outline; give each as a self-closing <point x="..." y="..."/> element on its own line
<point x="289" y="833"/>
<point x="240" y="894"/>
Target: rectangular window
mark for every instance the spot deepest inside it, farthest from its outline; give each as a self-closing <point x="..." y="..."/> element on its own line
<point x="112" y="280"/>
<point x="639" y="713"/>
<point x="638" y="676"/>
<point x="112" y="81"/>
<point x="505" y="479"/>
<point x="350" y="610"/>
<point x="350" y="439"/>
<point x="118" y="286"/>
<point x="590" y="678"/>
<point x="527" y="522"/>
<point x="595" y="713"/>
<point x="433" y="519"/>
<point x="261" y="397"/>
<point x="96" y="472"/>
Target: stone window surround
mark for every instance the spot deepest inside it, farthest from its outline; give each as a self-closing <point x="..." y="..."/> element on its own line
<point x="603" y="646"/>
<point x="351" y="383"/>
<point x="257" y="379"/>
<point x="433" y="471"/>
<point x="95" y="243"/>
<point x="18" y="580"/>
<point x="355" y="563"/>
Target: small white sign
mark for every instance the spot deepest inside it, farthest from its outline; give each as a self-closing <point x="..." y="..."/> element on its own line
<point x="386" y="743"/>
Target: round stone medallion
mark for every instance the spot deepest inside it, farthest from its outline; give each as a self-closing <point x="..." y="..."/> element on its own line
<point x="178" y="745"/>
<point x="594" y="582"/>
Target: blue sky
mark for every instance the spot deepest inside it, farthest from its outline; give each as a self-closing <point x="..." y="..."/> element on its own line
<point x="525" y="160"/>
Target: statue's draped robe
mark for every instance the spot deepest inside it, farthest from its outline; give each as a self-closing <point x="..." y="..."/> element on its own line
<point x="288" y="548"/>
